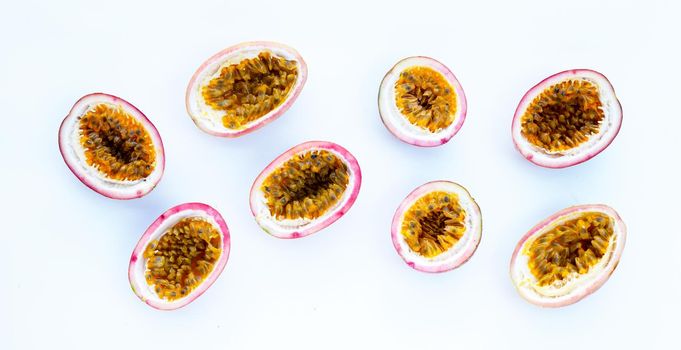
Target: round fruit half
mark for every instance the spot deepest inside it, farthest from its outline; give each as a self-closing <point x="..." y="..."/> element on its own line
<point x="305" y="189"/>
<point x="179" y="256"/>
<point x="567" y="118"/>
<point x="244" y="87"/>
<point x="421" y="102"/>
<point x="437" y="227"/>
<point x="112" y="147"/>
<point x="569" y="255"/>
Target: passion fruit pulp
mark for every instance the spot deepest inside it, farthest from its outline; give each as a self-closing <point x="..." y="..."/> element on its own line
<point x="244" y="87"/>
<point x="567" y="119"/>
<point x="569" y="255"/>
<point x="421" y="102"/>
<point x="305" y="189"/>
<point x="112" y="147"/>
<point x="437" y="227"/>
<point x="179" y="256"/>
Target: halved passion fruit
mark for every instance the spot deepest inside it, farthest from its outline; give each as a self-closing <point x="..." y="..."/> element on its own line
<point x="112" y="147"/>
<point x="421" y="102"/>
<point x="567" y="118"/>
<point x="437" y="227"/>
<point x="569" y="255"/>
<point x="305" y="189"/>
<point x="244" y="87"/>
<point x="179" y="256"/>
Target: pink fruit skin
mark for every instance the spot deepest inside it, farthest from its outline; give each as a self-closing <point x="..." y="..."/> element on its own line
<point x="272" y="115"/>
<point x="435" y="64"/>
<point x="148" y="125"/>
<point x="138" y="253"/>
<point x="395" y="231"/>
<point x="535" y="90"/>
<point x="349" y="159"/>
<point x="622" y="236"/>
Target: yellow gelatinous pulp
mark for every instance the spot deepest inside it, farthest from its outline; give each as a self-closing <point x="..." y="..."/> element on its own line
<point x="434" y="223"/>
<point x="425" y="98"/>
<point x="306" y="186"/>
<point x="116" y="143"/>
<point x="182" y="257"/>
<point x="250" y="89"/>
<point x="563" y="116"/>
<point x="572" y="247"/>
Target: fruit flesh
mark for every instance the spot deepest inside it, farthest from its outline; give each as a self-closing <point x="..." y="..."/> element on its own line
<point x="182" y="258"/>
<point x="572" y="247"/>
<point x="425" y="98"/>
<point x="251" y="88"/>
<point x="563" y="116"/>
<point x="306" y="186"/>
<point x="116" y="144"/>
<point x="434" y="223"/>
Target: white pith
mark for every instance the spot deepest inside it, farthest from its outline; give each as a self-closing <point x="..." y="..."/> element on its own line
<point x="145" y="291"/>
<point x="609" y="126"/>
<point x="469" y="240"/>
<point x="74" y="152"/>
<point x="576" y="285"/>
<point x="391" y="113"/>
<point x="210" y="118"/>
<point x="286" y="227"/>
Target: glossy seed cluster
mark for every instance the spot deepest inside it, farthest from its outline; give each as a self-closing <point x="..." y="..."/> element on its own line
<point x="250" y="89"/>
<point x="116" y="143"/>
<point x="182" y="258"/>
<point x="425" y="98"/>
<point x="570" y="248"/>
<point x="306" y="186"/>
<point x="563" y="116"/>
<point x="434" y="223"/>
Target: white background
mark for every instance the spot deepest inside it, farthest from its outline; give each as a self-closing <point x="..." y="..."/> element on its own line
<point x="64" y="249"/>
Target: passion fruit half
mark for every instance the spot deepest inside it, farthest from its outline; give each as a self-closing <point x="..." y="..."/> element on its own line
<point x="112" y="147"/>
<point x="179" y="256"/>
<point x="421" y="102"/>
<point x="244" y="87"/>
<point x="437" y="227"/>
<point x="305" y="189"/>
<point x="567" y="118"/>
<point x="569" y="255"/>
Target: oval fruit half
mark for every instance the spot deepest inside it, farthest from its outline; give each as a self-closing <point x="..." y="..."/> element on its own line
<point x="437" y="227"/>
<point x="244" y="87"/>
<point x="421" y="102"/>
<point x="112" y="147"/>
<point x="305" y="189"/>
<point x="566" y="119"/>
<point x="569" y="255"/>
<point x="179" y="256"/>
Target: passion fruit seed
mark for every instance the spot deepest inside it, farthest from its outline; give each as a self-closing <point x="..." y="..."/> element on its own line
<point x="563" y="116"/>
<point x="250" y="89"/>
<point x="306" y="186"/>
<point x="572" y="247"/>
<point x="425" y="98"/>
<point x="116" y="143"/>
<point x="434" y="223"/>
<point x="182" y="258"/>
